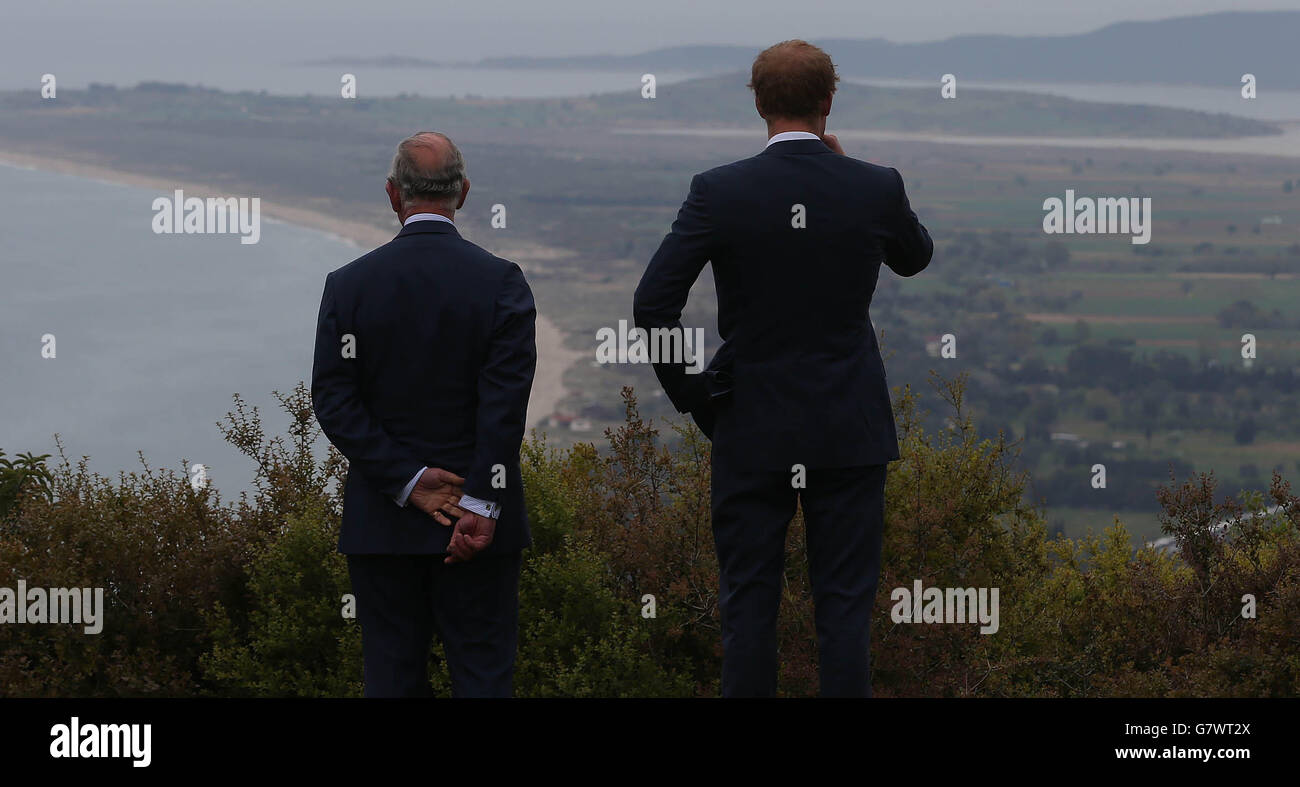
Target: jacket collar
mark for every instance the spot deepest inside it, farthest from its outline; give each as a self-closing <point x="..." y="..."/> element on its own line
<point x="431" y="225"/>
<point x="795" y="147"/>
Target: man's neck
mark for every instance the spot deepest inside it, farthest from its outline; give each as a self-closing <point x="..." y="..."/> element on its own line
<point x="782" y="125"/>
<point x="440" y="210"/>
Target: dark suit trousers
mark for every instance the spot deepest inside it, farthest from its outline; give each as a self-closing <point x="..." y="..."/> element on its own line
<point x="473" y="607"/>
<point x="844" y="510"/>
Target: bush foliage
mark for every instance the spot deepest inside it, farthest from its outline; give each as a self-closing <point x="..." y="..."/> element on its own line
<point x="247" y="598"/>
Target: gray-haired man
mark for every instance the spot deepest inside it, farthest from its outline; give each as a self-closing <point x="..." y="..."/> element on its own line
<point x="424" y="362"/>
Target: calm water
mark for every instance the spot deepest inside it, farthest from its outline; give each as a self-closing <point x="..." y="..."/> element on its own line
<point x="1269" y="104"/>
<point x="154" y="332"/>
<point x="372" y="81"/>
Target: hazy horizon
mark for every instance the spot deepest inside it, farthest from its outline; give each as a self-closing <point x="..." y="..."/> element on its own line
<point x="168" y="37"/>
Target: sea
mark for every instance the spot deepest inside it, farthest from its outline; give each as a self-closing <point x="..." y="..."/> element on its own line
<point x="152" y="333"/>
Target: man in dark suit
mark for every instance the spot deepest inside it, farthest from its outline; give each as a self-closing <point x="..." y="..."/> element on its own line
<point x="795" y="400"/>
<point x="424" y="362"/>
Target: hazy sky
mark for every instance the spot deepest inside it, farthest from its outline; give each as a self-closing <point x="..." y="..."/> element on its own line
<point x="275" y="31"/>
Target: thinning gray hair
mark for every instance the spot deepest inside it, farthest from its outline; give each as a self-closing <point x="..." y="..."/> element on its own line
<point x="439" y="185"/>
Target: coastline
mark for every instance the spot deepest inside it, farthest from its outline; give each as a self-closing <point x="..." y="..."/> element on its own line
<point x="553" y="358"/>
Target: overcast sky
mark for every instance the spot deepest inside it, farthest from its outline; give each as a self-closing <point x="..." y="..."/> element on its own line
<point x="276" y="31"/>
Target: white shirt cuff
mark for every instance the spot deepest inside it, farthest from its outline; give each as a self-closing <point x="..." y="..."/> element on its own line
<point x="406" y="493"/>
<point x="484" y="508"/>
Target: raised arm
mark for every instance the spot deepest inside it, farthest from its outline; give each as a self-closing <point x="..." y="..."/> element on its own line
<point x="908" y="247"/>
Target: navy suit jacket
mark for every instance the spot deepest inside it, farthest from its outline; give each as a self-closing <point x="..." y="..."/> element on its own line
<point x="443" y="334"/>
<point x="798" y="378"/>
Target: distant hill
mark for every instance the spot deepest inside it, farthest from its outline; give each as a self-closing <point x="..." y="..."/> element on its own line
<point x="708" y="102"/>
<point x="1214" y="49"/>
<point x="724" y="101"/>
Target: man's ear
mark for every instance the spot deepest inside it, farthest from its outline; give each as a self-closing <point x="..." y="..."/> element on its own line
<point x="759" y="107"/>
<point x="826" y="105"/>
<point x="394" y="196"/>
<point x="464" y="192"/>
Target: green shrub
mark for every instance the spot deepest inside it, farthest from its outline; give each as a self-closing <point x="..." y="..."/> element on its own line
<point x="163" y="553"/>
<point x="245" y="598"/>
<point x="295" y="642"/>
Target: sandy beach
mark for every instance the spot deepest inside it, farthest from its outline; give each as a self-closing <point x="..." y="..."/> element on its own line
<point x="553" y="358"/>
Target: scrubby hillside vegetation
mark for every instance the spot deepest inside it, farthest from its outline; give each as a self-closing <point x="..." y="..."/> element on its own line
<point x="211" y="597"/>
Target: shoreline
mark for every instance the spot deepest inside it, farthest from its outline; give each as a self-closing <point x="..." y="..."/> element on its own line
<point x="553" y="357"/>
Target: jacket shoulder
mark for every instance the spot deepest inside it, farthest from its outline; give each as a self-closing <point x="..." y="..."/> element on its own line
<point x="872" y="170"/>
<point x="358" y="266"/>
<point x="485" y="262"/>
<point x="739" y="170"/>
<point x="450" y="245"/>
<point x="726" y="172"/>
